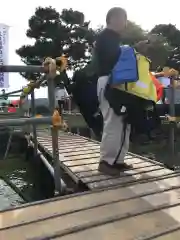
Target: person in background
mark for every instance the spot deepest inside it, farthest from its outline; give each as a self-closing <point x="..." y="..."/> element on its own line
<point x="62" y="97"/>
<point x="115" y="139"/>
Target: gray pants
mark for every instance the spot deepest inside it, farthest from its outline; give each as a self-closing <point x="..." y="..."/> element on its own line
<point x="113" y="131"/>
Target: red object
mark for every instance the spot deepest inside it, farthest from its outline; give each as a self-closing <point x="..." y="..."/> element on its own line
<point x="15" y="102"/>
<point x="11" y="109"/>
<point x="159" y="87"/>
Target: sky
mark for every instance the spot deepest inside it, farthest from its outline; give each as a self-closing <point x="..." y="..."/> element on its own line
<point x="16" y="14"/>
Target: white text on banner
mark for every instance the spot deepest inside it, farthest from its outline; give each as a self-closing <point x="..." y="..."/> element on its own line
<point x="4" y="52"/>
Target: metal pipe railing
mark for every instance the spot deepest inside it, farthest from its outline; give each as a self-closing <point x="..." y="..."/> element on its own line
<point x="27" y="69"/>
<point x="26" y="121"/>
<point x="10" y="93"/>
<point x="51" y="170"/>
<point x="33" y="112"/>
<point x="16" y="95"/>
<point x="51" y="69"/>
<point x="54" y="134"/>
<point x="172" y="124"/>
<point x="49" y="167"/>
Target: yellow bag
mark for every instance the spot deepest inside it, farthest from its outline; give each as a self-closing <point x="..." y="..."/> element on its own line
<point x="144" y="87"/>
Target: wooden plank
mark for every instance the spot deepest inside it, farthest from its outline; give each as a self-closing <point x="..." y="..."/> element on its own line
<point x="64" y="139"/>
<point x="69" y="151"/>
<point x="123" y="209"/>
<point x="60" y="134"/>
<point x="80" y="162"/>
<point x="42" y="138"/>
<point x="66" y="136"/>
<point x="66" y="147"/>
<point x="80" y="152"/>
<point x="86" y="156"/>
<point x="85" y="162"/>
<point x="77" y="153"/>
<point x="173" y="235"/>
<point x="132" y="173"/>
<point x="83" y="168"/>
<point x="63" y="206"/>
<point x="49" y="148"/>
<point x="97" y="177"/>
<point x="129" y="229"/>
<point x="86" y="144"/>
<point x="108" y="195"/>
<point x="92" y="167"/>
<point x="87" y="173"/>
<point x="73" y="146"/>
<point x="96" y="181"/>
<point x="31" y="213"/>
<point x="84" y="165"/>
<point x="92" y="171"/>
<point x="63" y="142"/>
<point x="71" y="164"/>
<point x="78" y="149"/>
<point x="128" y="178"/>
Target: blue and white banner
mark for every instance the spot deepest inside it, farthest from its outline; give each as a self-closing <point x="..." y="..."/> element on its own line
<point x="4" y="53"/>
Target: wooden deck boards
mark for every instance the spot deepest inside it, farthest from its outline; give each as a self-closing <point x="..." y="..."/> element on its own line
<point x="141" y="204"/>
<point x="128" y="213"/>
<point x="80" y="157"/>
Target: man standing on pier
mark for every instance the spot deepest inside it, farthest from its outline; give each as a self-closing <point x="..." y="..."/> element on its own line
<point x="115" y="138"/>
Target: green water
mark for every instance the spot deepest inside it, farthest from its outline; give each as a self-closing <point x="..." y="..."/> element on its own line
<point x="8" y="198"/>
<point x="18" y="171"/>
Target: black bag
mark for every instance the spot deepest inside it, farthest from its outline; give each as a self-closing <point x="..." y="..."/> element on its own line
<point x="137" y="108"/>
<point x="84" y="91"/>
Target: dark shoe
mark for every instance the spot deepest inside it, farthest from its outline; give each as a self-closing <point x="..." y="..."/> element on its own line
<point x="108" y="169"/>
<point x="123" y="166"/>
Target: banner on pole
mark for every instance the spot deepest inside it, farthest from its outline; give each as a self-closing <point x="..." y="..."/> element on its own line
<point x="4" y="52"/>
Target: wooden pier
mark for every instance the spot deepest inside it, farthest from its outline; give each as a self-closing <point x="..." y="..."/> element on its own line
<point x="141" y="204"/>
<point x="79" y="157"/>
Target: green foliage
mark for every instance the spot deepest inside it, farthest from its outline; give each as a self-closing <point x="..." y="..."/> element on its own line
<point x="68" y="33"/>
<point x="172" y="36"/>
<point x="158" y="51"/>
<point x="133" y="34"/>
<point x="170" y="32"/>
<point x="55" y="34"/>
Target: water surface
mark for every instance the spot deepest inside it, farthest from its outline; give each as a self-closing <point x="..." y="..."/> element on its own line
<point x="18" y="171"/>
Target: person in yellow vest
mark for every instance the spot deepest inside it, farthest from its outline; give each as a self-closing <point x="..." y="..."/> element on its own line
<point x="125" y="89"/>
<point x="113" y="138"/>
